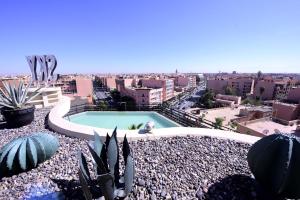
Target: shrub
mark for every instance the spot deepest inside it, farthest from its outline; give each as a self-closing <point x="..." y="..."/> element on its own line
<point x="106" y="158"/>
<point x="218" y="122"/>
<point x="274" y="161"/>
<point x="27" y="152"/>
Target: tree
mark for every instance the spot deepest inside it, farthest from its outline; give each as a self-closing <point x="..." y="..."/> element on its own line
<point x="206" y="99"/>
<point x="197" y="80"/>
<point x="261" y="91"/>
<point x="259" y="74"/>
<point x="229" y="91"/>
<point x="129" y="102"/>
<point x="103" y="105"/>
<point x="218" y="122"/>
<point x="115" y="95"/>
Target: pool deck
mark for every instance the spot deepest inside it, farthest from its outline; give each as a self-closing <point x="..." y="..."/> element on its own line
<point x="57" y="122"/>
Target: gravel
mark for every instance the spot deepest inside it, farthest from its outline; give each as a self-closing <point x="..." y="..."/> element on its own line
<point x="168" y="168"/>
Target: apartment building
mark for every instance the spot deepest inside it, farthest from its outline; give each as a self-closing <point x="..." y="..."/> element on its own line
<point x="185" y="81"/>
<point x="109" y="82"/>
<point x="167" y="86"/>
<point x="269" y="89"/>
<point x="243" y="86"/>
<point x="142" y="95"/>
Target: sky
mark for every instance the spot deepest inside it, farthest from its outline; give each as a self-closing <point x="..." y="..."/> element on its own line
<point x="137" y="36"/>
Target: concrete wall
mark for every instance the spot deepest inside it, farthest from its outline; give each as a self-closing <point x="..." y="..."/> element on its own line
<point x="286" y="112"/>
<point x="235" y="99"/>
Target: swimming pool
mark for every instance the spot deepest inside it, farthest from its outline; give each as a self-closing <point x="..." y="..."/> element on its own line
<point x="111" y="119"/>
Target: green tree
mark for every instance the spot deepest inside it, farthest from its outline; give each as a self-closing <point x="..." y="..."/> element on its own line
<point x="261" y="91"/>
<point x="115" y="95"/>
<point x="206" y="99"/>
<point x="218" y="122"/>
<point x="229" y="91"/>
<point x="259" y="74"/>
<point x="197" y="80"/>
<point x="129" y="102"/>
<point x="103" y="105"/>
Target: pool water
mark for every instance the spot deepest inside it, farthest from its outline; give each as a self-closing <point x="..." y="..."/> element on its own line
<point x="122" y="120"/>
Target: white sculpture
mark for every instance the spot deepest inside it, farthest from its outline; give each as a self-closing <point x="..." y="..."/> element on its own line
<point x="149" y="126"/>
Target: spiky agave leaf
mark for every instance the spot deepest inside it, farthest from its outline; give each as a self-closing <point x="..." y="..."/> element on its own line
<point x="113" y="157"/>
<point x="101" y="168"/>
<point x="85" y="186"/>
<point x="139" y="126"/>
<point x="128" y="175"/>
<point x="107" y="141"/>
<point x="5" y="96"/>
<point x="126" y="148"/>
<point x="106" y="182"/>
<point x="98" y="145"/>
<point x="83" y="167"/>
<point x="32" y="96"/>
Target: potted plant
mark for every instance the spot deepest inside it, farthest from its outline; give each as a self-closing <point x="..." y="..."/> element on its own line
<point x="14" y="100"/>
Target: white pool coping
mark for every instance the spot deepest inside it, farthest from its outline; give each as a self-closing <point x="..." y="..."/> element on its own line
<point x="57" y="123"/>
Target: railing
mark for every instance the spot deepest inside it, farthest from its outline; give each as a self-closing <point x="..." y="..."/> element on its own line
<point x="182" y="118"/>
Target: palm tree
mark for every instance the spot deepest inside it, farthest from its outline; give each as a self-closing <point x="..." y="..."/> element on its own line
<point x="135" y="127"/>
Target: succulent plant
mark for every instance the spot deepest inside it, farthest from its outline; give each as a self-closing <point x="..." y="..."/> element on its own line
<point x="275" y="162"/>
<point x="24" y="153"/>
<point x="135" y="127"/>
<point x="15" y="96"/>
<point x="106" y="158"/>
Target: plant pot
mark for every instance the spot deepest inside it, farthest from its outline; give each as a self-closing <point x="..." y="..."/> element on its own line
<point x="18" y="117"/>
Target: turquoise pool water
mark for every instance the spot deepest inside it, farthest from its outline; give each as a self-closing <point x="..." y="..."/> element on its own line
<point x="122" y="120"/>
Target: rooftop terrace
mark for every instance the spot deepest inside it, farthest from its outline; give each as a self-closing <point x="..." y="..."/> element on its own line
<point x="167" y="168"/>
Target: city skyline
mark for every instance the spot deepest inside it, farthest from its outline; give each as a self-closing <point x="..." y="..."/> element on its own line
<point x="141" y="37"/>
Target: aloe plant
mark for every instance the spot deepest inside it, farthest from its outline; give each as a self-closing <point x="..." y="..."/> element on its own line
<point x="134" y="127"/>
<point x="274" y="162"/>
<point x="108" y="178"/>
<point x="24" y="153"/>
<point x="15" y="96"/>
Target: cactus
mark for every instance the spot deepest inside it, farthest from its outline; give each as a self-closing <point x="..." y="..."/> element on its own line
<point x="106" y="158"/>
<point x="22" y="154"/>
<point x="274" y="161"/>
<point x="15" y="97"/>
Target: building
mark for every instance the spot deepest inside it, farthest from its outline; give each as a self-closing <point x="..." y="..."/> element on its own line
<point x="285" y="118"/>
<point x="185" y="81"/>
<point x="108" y="82"/>
<point x="242" y="86"/>
<point x="143" y="96"/>
<point x="167" y="86"/>
<point x="228" y="100"/>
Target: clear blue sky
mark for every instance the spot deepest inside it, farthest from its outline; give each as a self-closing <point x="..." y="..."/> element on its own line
<point x="152" y="35"/>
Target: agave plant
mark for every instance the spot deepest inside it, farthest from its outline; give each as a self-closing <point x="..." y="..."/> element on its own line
<point x="274" y="161"/>
<point x="134" y="127"/>
<point x="106" y="158"/>
<point x="15" y="96"/>
<point x="24" y="153"/>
